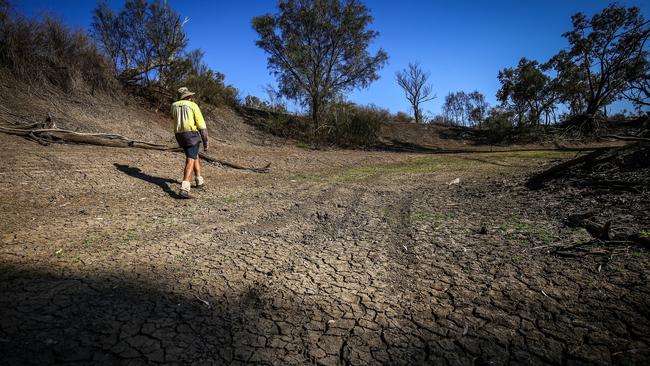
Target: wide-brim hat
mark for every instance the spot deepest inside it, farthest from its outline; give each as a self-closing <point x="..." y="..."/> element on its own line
<point x="184" y="92"/>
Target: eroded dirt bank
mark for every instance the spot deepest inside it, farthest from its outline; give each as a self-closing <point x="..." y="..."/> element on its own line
<point x="333" y="258"/>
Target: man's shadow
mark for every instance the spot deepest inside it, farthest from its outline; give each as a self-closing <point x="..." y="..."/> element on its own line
<point x="160" y="182"/>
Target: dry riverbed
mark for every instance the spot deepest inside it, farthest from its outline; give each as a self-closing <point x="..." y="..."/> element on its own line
<point x="335" y="257"/>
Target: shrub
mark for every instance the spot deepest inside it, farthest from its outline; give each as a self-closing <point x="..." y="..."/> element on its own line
<point x="350" y="125"/>
<point x="344" y="124"/>
<point x="287" y="126"/>
<point x="48" y="52"/>
<point x="254" y="102"/>
<point x="211" y="88"/>
<point x="402" y="117"/>
<point x="499" y="125"/>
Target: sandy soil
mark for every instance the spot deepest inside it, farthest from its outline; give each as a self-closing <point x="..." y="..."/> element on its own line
<point x="335" y="257"/>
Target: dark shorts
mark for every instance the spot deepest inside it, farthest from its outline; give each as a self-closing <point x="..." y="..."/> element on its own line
<point x="192" y="151"/>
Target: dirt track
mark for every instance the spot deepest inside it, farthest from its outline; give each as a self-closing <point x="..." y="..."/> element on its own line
<point x="333" y="258"/>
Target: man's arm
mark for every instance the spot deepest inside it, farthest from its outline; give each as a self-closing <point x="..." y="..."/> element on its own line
<point x="200" y="125"/>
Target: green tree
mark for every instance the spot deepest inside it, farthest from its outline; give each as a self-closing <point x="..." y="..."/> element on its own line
<point x="477" y="108"/>
<point x="318" y="49"/>
<point x="144" y="40"/>
<point x="638" y="91"/>
<point x="413" y="80"/>
<point x="462" y="108"/>
<point x="527" y="91"/>
<point x="107" y="30"/>
<point x="606" y="53"/>
<point x="454" y="107"/>
<point x="254" y="102"/>
<point x="209" y="84"/>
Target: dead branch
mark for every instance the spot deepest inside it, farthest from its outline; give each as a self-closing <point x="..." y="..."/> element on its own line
<point x="627" y="138"/>
<point x="264" y="169"/>
<point x="45" y="136"/>
<point x="540" y="177"/>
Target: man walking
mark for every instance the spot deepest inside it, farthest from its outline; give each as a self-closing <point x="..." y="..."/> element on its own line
<point x="190" y="131"/>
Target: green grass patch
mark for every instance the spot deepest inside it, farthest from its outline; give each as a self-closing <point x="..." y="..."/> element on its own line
<point x="88" y="242"/>
<point x="484" y="162"/>
<point x="308" y="176"/>
<point x="479" y="163"/>
<point x="230" y="198"/>
<point x="417" y="166"/>
<point x="236" y="197"/>
<point x="417" y="216"/>
<point x="131" y="234"/>
<point x="534" y="232"/>
<point x="302" y="145"/>
<point x="644" y="233"/>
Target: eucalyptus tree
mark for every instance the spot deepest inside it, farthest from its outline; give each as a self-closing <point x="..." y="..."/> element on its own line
<point x="318" y="49"/>
<point x="607" y="52"/>
<point x="144" y="40"/>
<point x="527" y="91"/>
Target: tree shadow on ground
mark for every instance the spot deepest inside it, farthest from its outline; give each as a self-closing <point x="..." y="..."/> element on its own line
<point x="159" y="181"/>
<point x="49" y="317"/>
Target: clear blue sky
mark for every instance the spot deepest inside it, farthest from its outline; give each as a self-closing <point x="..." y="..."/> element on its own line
<point x="463" y="44"/>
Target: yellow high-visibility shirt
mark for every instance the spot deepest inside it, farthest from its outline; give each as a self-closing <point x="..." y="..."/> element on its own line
<point x="187" y="116"/>
<point x="189" y="128"/>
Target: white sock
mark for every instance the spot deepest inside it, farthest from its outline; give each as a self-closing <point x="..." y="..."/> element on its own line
<point x="186" y="185"/>
<point x="199" y="180"/>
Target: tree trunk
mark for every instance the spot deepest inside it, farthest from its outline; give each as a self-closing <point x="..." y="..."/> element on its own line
<point x="315" y="111"/>
<point x="416" y="113"/>
<point x="592" y="108"/>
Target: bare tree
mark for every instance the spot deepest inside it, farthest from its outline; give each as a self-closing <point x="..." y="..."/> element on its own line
<point x="414" y="82"/>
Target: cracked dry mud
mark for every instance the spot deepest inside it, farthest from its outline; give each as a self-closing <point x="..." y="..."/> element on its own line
<point x="308" y="264"/>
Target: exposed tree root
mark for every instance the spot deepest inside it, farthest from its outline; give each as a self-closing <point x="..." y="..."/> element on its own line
<point x="603" y="233"/>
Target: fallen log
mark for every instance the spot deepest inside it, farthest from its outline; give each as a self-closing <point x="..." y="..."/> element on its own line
<point x="538" y="178"/>
<point x="45" y="136"/>
<point x="627" y="138"/>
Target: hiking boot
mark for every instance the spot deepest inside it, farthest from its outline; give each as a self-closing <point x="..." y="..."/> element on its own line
<point x="185" y="189"/>
<point x="199" y="182"/>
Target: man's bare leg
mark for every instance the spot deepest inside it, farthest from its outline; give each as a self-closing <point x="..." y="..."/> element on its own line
<point x="187" y="175"/>
<point x="189" y="167"/>
<point x="197" y="167"/>
<point x="197" y="173"/>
